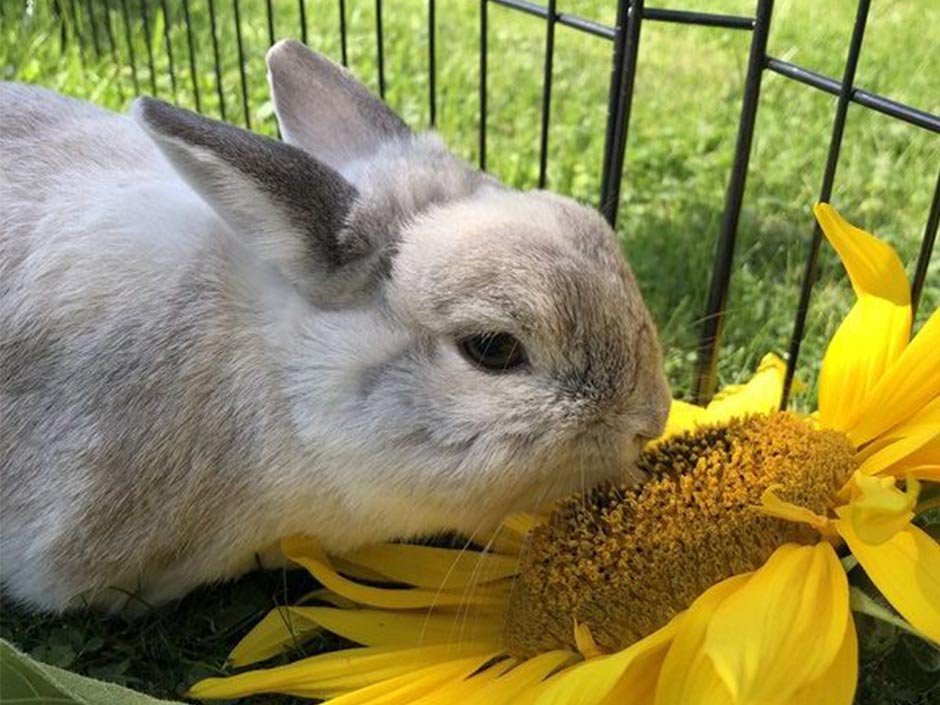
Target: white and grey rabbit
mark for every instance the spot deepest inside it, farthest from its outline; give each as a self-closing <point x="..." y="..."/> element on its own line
<point x="210" y="340"/>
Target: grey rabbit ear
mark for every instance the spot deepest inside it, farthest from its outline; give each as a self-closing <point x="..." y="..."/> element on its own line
<point x="290" y="206"/>
<point x="324" y="110"/>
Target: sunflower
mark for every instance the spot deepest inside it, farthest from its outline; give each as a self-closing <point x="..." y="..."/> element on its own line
<point x="718" y="581"/>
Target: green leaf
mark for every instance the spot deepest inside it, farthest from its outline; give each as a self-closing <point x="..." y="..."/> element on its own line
<point x="860" y="601"/>
<point x="24" y="680"/>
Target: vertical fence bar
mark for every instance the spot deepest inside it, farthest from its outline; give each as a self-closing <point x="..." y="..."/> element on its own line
<point x="926" y="248"/>
<point x="432" y="63"/>
<point x="109" y="30"/>
<point x="168" y="45"/>
<point x="380" y="47"/>
<point x="547" y="91"/>
<point x="825" y="193"/>
<point x="620" y="41"/>
<point x="93" y="26"/>
<point x="112" y="44"/>
<point x="342" y="32"/>
<point x="129" y="39"/>
<point x="59" y="16"/>
<point x="713" y="323"/>
<point x="483" y="49"/>
<point x="302" y="7"/>
<point x="629" y="12"/>
<point x="243" y="79"/>
<point x="269" y="9"/>
<point x="213" y="29"/>
<point x="77" y="31"/>
<point x="145" y="18"/>
<point x="191" y="42"/>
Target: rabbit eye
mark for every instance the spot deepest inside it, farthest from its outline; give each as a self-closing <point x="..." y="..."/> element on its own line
<point x="496" y="352"/>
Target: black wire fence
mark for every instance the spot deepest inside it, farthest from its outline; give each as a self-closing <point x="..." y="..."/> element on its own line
<point x="88" y="23"/>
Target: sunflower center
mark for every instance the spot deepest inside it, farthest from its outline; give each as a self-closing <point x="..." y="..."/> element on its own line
<point x="624" y="561"/>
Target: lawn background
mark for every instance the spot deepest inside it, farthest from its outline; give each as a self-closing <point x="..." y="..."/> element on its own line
<point x="686" y="107"/>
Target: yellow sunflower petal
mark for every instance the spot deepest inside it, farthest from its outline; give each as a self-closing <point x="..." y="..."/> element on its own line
<point x="596" y="681"/>
<point x="871" y="337"/>
<point x="905" y="389"/>
<point x="432" y="567"/>
<point x="287" y="626"/>
<point x="906" y="569"/>
<point x="467" y="689"/>
<point x="923" y="472"/>
<point x="509" y="687"/>
<point x="331" y="674"/>
<point x="637" y="685"/>
<point x="784" y="628"/>
<point x="584" y="640"/>
<point x="873" y="266"/>
<point x="683" y="417"/>
<point x="773" y="505"/>
<point x="357" y="571"/>
<point x="918" y="443"/>
<point x="511" y="534"/>
<point x="306" y="552"/>
<point x="280" y="629"/>
<point x="411" y="687"/>
<point x="760" y="395"/>
<point x="837" y="685"/>
<point x="877" y="509"/>
<point x="687" y="676"/>
<point x="910" y="448"/>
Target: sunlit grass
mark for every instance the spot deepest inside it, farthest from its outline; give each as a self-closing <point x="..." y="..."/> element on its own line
<point x="688" y="92"/>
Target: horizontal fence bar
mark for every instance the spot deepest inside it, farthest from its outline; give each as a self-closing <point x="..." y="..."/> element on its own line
<point x="562" y="18"/>
<point x="908" y="114"/>
<point x="655" y="14"/>
<point x="703" y="19"/>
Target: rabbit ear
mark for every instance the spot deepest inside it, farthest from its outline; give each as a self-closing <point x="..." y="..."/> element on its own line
<point x="288" y="205"/>
<point x="324" y="110"/>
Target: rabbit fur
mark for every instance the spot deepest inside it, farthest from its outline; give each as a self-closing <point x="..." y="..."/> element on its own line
<point x="210" y="340"/>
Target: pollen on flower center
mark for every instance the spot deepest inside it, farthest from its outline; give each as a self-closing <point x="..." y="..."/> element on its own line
<point x="624" y="561"/>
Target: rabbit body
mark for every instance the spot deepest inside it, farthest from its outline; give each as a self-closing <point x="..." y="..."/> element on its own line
<point x="209" y="340"/>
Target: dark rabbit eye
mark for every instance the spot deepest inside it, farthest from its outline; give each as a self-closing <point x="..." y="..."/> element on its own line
<point x="496" y="352"/>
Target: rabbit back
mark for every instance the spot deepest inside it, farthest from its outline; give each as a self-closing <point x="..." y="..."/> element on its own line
<point x="128" y="346"/>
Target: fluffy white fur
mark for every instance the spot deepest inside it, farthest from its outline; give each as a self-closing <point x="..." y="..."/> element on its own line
<point x="179" y="389"/>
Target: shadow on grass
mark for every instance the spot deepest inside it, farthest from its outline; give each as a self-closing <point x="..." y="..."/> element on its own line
<point x="169" y="648"/>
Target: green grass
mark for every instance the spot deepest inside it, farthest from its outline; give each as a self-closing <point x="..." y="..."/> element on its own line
<point x="688" y="92"/>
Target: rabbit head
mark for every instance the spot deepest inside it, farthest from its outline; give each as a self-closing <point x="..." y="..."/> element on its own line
<point x="469" y="349"/>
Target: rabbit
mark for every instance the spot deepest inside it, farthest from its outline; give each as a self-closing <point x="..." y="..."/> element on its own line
<point x="210" y="340"/>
